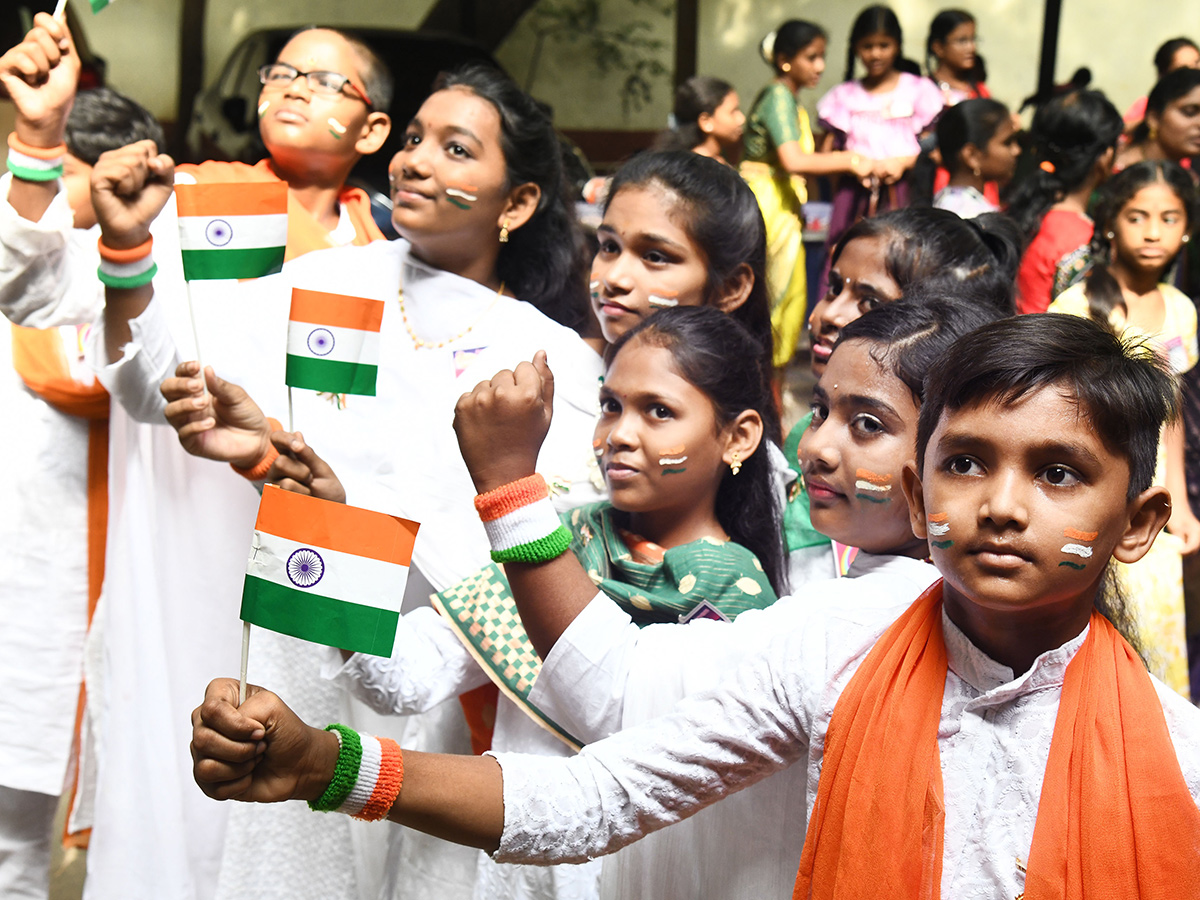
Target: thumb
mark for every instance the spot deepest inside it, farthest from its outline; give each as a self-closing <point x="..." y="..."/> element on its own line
<point x="316" y="465"/>
<point x="225" y="391"/>
<point x="543" y="369"/>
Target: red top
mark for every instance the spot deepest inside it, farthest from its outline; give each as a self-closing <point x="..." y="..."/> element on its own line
<point x="1062" y="232"/>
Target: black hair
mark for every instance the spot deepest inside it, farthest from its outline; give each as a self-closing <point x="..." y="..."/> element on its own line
<point x="1103" y="293"/>
<point x="539" y="260"/>
<point x="969" y="122"/>
<point x="716" y="354"/>
<point x="1170" y="88"/>
<point x="939" y="30"/>
<point x="376" y="76"/>
<point x="1069" y="134"/>
<point x="1165" y="55"/>
<point x="103" y="120"/>
<point x="699" y="95"/>
<point x="975" y="259"/>
<point x="789" y="39"/>
<point x="878" y="20"/>
<point x="720" y="213"/>
<point x="912" y="334"/>
<point x="1122" y="387"/>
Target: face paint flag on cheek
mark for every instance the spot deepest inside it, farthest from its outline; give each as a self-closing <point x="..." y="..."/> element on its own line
<point x="939" y="526"/>
<point x="336" y="128"/>
<point x="872" y="486"/>
<point x="1077" y="549"/>
<point x="664" y="299"/>
<point x="462" y="195"/>
<point x="671" y="459"/>
<point x="263" y="107"/>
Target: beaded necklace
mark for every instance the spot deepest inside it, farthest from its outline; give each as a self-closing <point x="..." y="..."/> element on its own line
<point x="421" y="344"/>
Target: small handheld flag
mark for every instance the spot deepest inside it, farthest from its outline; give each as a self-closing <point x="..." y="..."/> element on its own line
<point x="97" y="5"/>
<point x="333" y="342"/>
<point x="232" y="230"/>
<point x="326" y="572"/>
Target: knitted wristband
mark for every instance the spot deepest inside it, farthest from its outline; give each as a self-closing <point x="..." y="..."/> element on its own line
<point x="31" y="163"/>
<point x="345" y="773"/>
<point x="126" y="268"/>
<point x="380" y="777"/>
<point x="259" y="470"/>
<point x="521" y="523"/>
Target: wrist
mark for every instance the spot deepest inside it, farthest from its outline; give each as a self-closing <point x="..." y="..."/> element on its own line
<point x="521" y="523"/>
<point x="30" y="162"/>
<point x="118" y="240"/>
<point x="125" y="269"/>
<point x="48" y="132"/>
<point x="256" y="466"/>
<point x="497" y="475"/>
<point x="320" y="764"/>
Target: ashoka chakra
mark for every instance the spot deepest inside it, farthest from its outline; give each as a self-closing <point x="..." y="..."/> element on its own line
<point x="305" y="567"/>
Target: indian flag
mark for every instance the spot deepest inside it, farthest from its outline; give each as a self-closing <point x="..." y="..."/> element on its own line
<point x="232" y="230"/>
<point x="98" y="5"/>
<point x="333" y="342"/>
<point x="326" y="572"/>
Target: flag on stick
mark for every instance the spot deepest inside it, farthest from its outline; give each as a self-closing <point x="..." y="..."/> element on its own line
<point x="232" y="230"/>
<point x="97" y="5"/>
<point x="333" y="342"/>
<point x="326" y="572"/>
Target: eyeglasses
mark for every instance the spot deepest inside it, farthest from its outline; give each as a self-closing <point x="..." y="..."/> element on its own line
<point x="327" y="84"/>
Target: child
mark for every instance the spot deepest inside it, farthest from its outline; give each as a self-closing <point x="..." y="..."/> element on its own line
<point x="880" y="117"/>
<point x="604" y="674"/>
<point x="1003" y="680"/>
<point x="1168" y="130"/>
<point x="1143" y="218"/>
<point x="707" y="119"/>
<point x="1074" y="138"/>
<point x="951" y="59"/>
<point x="978" y="145"/>
<point x="779" y="154"/>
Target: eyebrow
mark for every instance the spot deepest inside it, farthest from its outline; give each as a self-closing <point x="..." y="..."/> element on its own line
<point x="465" y="132"/>
<point x="861" y="284"/>
<point x="856" y="400"/>
<point x="955" y="441"/>
<point x="642" y="235"/>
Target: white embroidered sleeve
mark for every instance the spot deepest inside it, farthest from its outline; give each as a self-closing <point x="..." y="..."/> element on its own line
<point x="149" y="357"/>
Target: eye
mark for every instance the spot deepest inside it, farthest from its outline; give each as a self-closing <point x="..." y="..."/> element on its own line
<point x="1059" y="476"/>
<point x="456" y="149"/>
<point x="609" y="406"/>
<point x="820" y="412"/>
<point x="963" y="465"/>
<point x="609" y="247"/>
<point x="658" y="411"/>
<point x="656" y="257"/>
<point x="836" y="285"/>
<point x="411" y="139"/>
<point x="868" y="302"/>
<point x="866" y="424"/>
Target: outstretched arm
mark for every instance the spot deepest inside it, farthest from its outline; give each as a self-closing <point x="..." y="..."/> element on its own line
<point x="501" y="426"/>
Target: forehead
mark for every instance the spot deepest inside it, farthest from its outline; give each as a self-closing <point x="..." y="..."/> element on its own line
<point x="643" y="366"/>
<point x="649" y="208"/>
<point x="1051" y="413"/>
<point x="319" y="50"/>
<point x="855" y="369"/>
<point x="1191" y="98"/>
<point x="460" y="107"/>
<point x="1156" y="196"/>
<point x="864" y="259"/>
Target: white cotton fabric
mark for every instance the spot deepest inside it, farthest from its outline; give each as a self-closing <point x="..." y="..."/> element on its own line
<point x="994" y="740"/>
<point x="605" y="674"/>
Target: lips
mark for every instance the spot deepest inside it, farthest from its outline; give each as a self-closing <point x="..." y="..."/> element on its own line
<point x="822" y="350"/>
<point x="290" y="115"/>
<point x="405" y="193"/>
<point x="606" y="306"/>
<point x="999" y="556"/>
<point x="619" y="471"/>
<point x="821" y="492"/>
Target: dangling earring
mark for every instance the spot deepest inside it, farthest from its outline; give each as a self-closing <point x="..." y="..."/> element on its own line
<point x="735" y="464"/>
<point x="504" y="232"/>
<point x="975" y="171"/>
<point x="1152" y="133"/>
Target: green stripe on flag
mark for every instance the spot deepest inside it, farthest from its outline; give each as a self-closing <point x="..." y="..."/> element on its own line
<point x="255" y="262"/>
<point x="98" y="5"/>
<point x="322" y="620"/>
<point x="330" y="376"/>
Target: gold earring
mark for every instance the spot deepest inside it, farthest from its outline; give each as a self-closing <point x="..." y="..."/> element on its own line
<point x="1186" y="238"/>
<point x="975" y="171"/>
<point x="1152" y="134"/>
<point x="787" y="67"/>
<point x="504" y="232"/>
<point x="735" y="464"/>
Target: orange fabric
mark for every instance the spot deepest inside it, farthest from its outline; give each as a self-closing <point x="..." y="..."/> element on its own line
<point x="1115" y="817"/>
<point x="305" y="233"/>
<point x="479" y="709"/>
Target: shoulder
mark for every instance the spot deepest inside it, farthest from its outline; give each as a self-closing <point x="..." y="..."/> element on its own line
<point x="1073" y="301"/>
<point x="1180" y="303"/>
<point x="839" y="99"/>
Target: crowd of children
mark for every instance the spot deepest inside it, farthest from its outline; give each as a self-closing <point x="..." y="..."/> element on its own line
<point x="949" y="602"/>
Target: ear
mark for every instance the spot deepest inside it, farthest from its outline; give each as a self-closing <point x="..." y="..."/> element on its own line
<point x="736" y="289"/>
<point x="743" y="435"/>
<point x="705" y="122"/>
<point x="1148" y="515"/>
<point x="938" y="48"/>
<point x="1105" y="163"/>
<point x="522" y="203"/>
<point x="910" y="483"/>
<point x="972" y="157"/>
<point x="374" y="132"/>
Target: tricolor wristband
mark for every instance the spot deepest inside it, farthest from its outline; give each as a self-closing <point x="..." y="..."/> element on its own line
<point x="126" y="268"/>
<point x="367" y="778"/>
<point x="521" y="523"/>
<point x="259" y="470"/>
<point x="35" y="163"/>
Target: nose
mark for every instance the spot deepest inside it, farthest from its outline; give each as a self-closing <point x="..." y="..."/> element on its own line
<point x="621" y="434"/>
<point x="831" y="314"/>
<point x="616" y="274"/>
<point x="298" y="87"/>
<point x="1153" y="229"/>
<point x="1005" y="504"/>
<point x="819" y="450"/>
<point x="413" y="161"/>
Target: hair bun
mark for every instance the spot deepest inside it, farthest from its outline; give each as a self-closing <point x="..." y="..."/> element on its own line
<point x="767" y="48"/>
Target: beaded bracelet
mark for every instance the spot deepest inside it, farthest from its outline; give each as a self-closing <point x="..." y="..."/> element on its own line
<point x="31" y="163"/>
<point x="126" y="268"/>
<point x="367" y="778"/>
<point x="521" y="523"/>
<point x="259" y="470"/>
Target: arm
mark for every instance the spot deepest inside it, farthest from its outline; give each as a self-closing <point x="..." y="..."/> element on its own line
<point x="831" y="162"/>
<point x="1183" y="523"/>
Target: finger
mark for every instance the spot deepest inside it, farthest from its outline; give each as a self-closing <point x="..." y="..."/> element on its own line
<point x="161" y="166"/>
<point x="542" y="364"/>
<point x="317" y="467"/>
<point x="504" y="378"/>
<point x="225" y="391"/>
<point x="286" y="467"/>
<point x="183" y="410"/>
<point x="290" y="484"/>
<point x="56" y="29"/>
<point x="181" y="388"/>
<point x="189" y="369"/>
<point x="221" y="774"/>
<point x="213" y="744"/>
<point x="220" y="706"/>
<point x="47" y="44"/>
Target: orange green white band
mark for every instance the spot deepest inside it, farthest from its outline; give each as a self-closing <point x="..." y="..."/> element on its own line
<point x="380" y="777"/>
<point x="521" y="523"/>
<point x="35" y="163"/>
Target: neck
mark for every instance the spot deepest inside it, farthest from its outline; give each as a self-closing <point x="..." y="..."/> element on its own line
<point x="668" y="528"/>
<point x="1138" y="282"/>
<point x="946" y="75"/>
<point x="470" y="258"/>
<point x="882" y="82"/>
<point x="965" y="178"/>
<point x="1153" y="150"/>
<point x="315" y="188"/>
<point x="788" y="83"/>
<point x="1077" y="200"/>
<point x="709" y="147"/>
<point x="1016" y="638"/>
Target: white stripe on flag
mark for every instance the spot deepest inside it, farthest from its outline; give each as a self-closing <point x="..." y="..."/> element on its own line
<point x="329" y="573"/>
<point x="232" y="232"/>
<point x="334" y="344"/>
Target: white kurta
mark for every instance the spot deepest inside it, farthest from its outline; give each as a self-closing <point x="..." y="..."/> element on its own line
<point x="606" y="674"/>
<point x="994" y="740"/>
<point x="394" y="452"/>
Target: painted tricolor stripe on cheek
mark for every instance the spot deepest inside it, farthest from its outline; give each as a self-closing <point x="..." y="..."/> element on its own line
<point x="868" y="484"/>
<point x="664" y="299"/>
<point x="1074" y="535"/>
<point x="1078" y="550"/>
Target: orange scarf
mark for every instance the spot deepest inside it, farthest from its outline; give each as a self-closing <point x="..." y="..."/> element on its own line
<point x="1115" y="817"/>
<point x="305" y="233"/>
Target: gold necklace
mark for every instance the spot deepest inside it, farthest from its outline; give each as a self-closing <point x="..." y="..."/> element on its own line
<point x="420" y="343"/>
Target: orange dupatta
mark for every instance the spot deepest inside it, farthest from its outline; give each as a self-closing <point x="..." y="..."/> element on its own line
<point x="1115" y="818"/>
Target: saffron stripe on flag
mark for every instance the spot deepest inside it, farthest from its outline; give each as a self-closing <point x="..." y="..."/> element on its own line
<point x="330" y="377"/>
<point x="322" y="620"/>
<point x="230" y="232"/>
<point x="332" y="344"/>
<point x="336" y="526"/>
<point x="232" y="199"/>
<point x="336" y="310"/>
<point x="200" y="265"/>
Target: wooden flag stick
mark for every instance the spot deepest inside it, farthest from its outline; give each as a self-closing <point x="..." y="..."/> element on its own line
<point x="60" y="9"/>
<point x="290" y="426"/>
<point x="245" y="662"/>
<point x="196" y="338"/>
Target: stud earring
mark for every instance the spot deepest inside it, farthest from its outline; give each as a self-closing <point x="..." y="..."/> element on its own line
<point x="1186" y="238"/>
<point x="735" y="464"/>
<point x="1110" y="235"/>
<point x="787" y="67"/>
<point x="504" y="232"/>
<point x="975" y="171"/>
